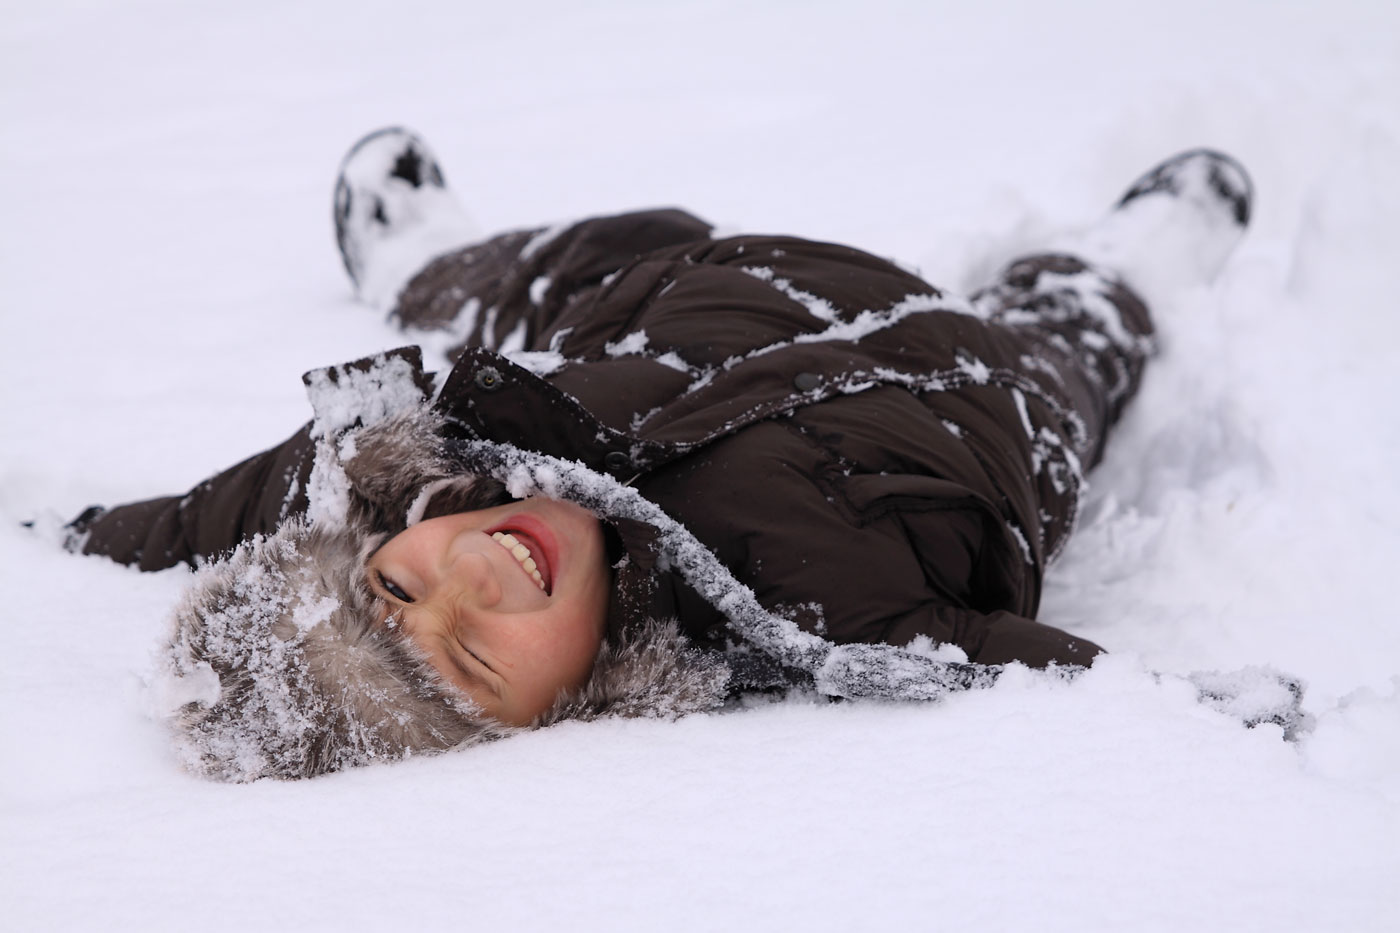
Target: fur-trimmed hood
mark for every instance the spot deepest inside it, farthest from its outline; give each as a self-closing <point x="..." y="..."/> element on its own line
<point x="277" y="666"/>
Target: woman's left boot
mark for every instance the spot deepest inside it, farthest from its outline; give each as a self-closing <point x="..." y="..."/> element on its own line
<point x="1175" y="227"/>
<point x="394" y="213"/>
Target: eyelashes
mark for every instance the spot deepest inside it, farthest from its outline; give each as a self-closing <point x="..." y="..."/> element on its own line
<point x="392" y="588"/>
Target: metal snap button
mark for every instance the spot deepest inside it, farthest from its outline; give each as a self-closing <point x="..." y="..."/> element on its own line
<point x="617" y="462"/>
<point x="489" y="378"/>
<point x="806" y="382"/>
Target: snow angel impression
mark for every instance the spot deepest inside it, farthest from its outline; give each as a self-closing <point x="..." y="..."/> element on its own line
<point x="662" y="469"/>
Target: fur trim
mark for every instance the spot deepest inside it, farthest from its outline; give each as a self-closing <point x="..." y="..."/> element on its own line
<point x="277" y="666"/>
<point x="286" y="675"/>
<point x="651" y="671"/>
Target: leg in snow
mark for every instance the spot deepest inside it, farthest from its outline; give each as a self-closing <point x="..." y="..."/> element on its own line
<point x="394" y="213"/>
<point x="1083" y="309"/>
<point x="411" y="250"/>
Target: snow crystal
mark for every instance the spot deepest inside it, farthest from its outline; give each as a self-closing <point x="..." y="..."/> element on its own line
<point x="542" y="239"/>
<point x="1019" y="398"/>
<point x="538" y="289"/>
<point x="513" y="341"/>
<point x="539" y="362"/>
<point x="705" y="378"/>
<point x="818" y="307"/>
<point x="632" y="345"/>
<point x="937" y="650"/>
<point x="639" y="419"/>
<point x="313" y="610"/>
<point x="976" y="370"/>
<point x="870" y="321"/>
<point x="1017" y="317"/>
<point x="556" y="341"/>
<point x="344" y="396"/>
<point x="1021" y="542"/>
<point x="673" y="359"/>
<point x="1093" y="340"/>
<point x="293" y="490"/>
<point x="1089" y="286"/>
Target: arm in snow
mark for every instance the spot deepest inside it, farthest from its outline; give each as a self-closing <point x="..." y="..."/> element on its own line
<point x="1000" y="638"/>
<point x="254" y="496"/>
<point x="971" y="578"/>
<point x="212" y="518"/>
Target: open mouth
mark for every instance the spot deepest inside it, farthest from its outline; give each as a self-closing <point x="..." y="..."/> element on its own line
<point x="532" y="547"/>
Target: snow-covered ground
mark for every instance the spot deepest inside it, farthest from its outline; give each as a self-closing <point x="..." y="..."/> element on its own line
<point x="167" y="273"/>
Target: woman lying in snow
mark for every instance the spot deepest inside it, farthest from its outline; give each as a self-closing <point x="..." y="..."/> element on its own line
<point x="664" y="469"/>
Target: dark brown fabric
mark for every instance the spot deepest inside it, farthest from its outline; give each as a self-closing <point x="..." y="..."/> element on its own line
<point x="876" y="470"/>
<point x="250" y="498"/>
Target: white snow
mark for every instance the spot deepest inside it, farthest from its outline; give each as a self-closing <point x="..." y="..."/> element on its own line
<point x="341" y="397"/>
<point x="539" y="362"/>
<point x="818" y="307"/>
<point x="539" y="288"/>
<point x="542" y="239"/>
<point x="167" y="272"/>
<point x="634" y="344"/>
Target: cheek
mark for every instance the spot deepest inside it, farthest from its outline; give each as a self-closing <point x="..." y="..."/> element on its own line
<point x="563" y="650"/>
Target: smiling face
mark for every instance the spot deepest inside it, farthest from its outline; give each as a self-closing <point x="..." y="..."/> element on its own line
<point x="508" y="603"/>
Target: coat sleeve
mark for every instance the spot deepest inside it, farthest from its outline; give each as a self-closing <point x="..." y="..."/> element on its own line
<point x="859" y="558"/>
<point x="967" y="572"/>
<point x="211" y="519"/>
<point x="253" y="497"/>
<point x="999" y="637"/>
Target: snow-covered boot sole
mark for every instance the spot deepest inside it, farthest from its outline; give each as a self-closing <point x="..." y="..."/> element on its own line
<point x="393" y="213"/>
<point x="1176" y="226"/>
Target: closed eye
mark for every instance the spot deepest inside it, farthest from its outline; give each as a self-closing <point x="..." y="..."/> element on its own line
<point x="392" y="588"/>
<point x="454" y="652"/>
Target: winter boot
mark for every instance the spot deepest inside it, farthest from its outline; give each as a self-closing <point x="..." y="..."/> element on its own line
<point x="1175" y="227"/>
<point x="394" y="213"/>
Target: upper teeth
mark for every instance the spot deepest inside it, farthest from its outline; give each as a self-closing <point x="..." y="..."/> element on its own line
<point x="521" y="553"/>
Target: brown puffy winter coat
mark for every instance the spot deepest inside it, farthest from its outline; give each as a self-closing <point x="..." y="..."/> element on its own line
<point x="874" y="458"/>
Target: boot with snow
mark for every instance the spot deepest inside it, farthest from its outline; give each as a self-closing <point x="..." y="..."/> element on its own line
<point x="394" y="213"/>
<point x="1176" y="225"/>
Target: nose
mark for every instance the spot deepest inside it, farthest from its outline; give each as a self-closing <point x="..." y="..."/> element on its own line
<point x="469" y="578"/>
